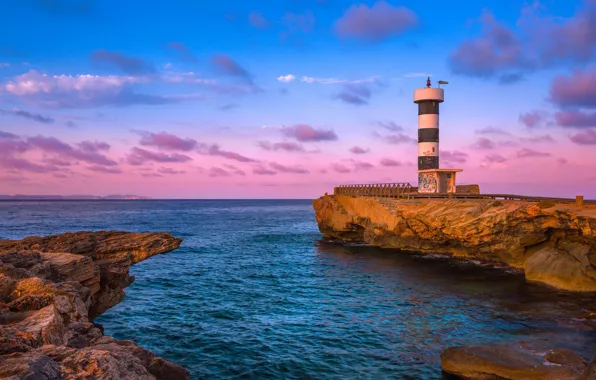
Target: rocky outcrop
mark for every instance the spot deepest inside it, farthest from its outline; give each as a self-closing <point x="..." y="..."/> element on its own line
<point x="514" y="362"/>
<point x="554" y="243"/>
<point x="51" y="288"/>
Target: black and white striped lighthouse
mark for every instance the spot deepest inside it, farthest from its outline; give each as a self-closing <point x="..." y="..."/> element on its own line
<point x="428" y="100"/>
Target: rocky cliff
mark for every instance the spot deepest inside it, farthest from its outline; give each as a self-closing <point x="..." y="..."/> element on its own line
<point x="51" y="288"/>
<point x="554" y="243"/>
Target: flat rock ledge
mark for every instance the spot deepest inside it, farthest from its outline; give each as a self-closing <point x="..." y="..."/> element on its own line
<point x="554" y="243"/>
<point x="515" y="362"/>
<point x="50" y="290"/>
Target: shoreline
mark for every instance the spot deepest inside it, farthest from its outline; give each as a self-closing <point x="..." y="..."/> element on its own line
<point x="52" y="288"/>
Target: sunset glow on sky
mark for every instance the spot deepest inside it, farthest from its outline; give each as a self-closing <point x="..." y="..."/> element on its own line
<point x="288" y="98"/>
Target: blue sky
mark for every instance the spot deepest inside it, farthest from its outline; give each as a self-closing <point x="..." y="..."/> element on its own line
<point x="210" y="72"/>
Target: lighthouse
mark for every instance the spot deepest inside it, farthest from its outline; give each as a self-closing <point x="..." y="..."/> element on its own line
<point x="431" y="179"/>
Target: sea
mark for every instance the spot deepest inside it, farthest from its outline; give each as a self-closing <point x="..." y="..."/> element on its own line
<point x="255" y="292"/>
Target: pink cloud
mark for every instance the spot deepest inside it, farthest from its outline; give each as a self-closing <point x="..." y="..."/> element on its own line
<point x="284" y="145"/>
<point x="495" y="158"/>
<point x="260" y="170"/>
<point x="577" y="90"/>
<point x="94" y="146"/>
<point x="538" y="139"/>
<point x="21" y="164"/>
<point x="454" y="156"/>
<point x="375" y="23"/>
<point x="103" y="169"/>
<point x="288" y="169"/>
<point x="167" y="141"/>
<point x="527" y="152"/>
<point x="139" y="156"/>
<point x="492" y="131"/>
<point x="53" y="145"/>
<point x="584" y="138"/>
<point x="389" y="162"/>
<point x="306" y="133"/>
<point x="218" y="172"/>
<point x="339" y="168"/>
<point x="531" y="119"/>
<point x="165" y="170"/>
<point x="235" y="170"/>
<point x="361" y="165"/>
<point x="358" y="150"/>
<point x="214" y="150"/>
<point x="484" y="143"/>
<point x="400" y="138"/>
<point x="577" y="119"/>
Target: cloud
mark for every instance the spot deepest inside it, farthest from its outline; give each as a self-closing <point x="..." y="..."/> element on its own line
<point x="311" y="80"/>
<point x="538" y="139"/>
<point x="455" y="156"/>
<point x="492" y="130"/>
<point x="28" y="115"/>
<point x="527" y="152"/>
<point x="227" y="66"/>
<point x="576" y="90"/>
<point x="288" y="169"/>
<point x="183" y="52"/>
<point x="287" y="146"/>
<point x="339" y="168"/>
<point x="356" y="94"/>
<point x="296" y="22"/>
<point x="229" y="106"/>
<point x="576" y="119"/>
<point x="4" y="65"/>
<point x="6" y="135"/>
<point x="260" y="170"/>
<point x="484" y="143"/>
<point x="81" y="91"/>
<point x="62" y="149"/>
<point x="21" y="164"/>
<point x="164" y="170"/>
<point x="214" y="150"/>
<point x="129" y="65"/>
<point x="139" y="156"/>
<point x="93" y="146"/>
<point x="361" y="165"/>
<point x="391" y="126"/>
<point x="389" y="162"/>
<point x="68" y="6"/>
<point x="286" y="78"/>
<point x="167" y="141"/>
<point x="257" y="20"/>
<point x="375" y="23"/>
<point x="358" y="150"/>
<point x="234" y="169"/>
<point x="495" y="158"/>
<point x="539" y="42"/>
<point x="306" y="133"/>
<point x="532" y="119"/>
<point x="103" y="169"/>
<point x="399" y="138"/>
<point x="10" y="146"/>
<point x="497" y="51"/>
<point x="584" y="138"/>
<point x="218" y="172"/>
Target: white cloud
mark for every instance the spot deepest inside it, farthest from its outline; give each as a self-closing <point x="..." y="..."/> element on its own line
<point x="167" y="66"/>
<point x="338" y="80"/>
<point x="286" y="78"/>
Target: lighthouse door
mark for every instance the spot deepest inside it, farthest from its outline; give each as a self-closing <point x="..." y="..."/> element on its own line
<point x="444" y="182"/>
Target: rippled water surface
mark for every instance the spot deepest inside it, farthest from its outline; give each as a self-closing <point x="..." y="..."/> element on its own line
<point x="254" y="293"/>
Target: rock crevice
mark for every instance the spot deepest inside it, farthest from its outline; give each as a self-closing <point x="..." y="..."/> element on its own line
<point x="50" y="290"/>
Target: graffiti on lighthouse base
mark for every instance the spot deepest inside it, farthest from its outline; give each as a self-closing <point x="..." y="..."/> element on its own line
<point x="427" y="183"/>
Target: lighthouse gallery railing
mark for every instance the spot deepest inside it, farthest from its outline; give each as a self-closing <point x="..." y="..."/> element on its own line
<point x="390" y="190"/>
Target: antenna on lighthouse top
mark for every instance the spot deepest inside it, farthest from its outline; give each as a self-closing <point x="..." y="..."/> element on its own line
<point x="428" y="83"/>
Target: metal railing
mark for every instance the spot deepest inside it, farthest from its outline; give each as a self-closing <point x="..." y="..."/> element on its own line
<point x="388" y="190"/>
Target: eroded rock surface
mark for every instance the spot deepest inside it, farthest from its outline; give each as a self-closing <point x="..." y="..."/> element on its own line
<point x="514" y="362"/>
<point x="51" y="288"/>
<point x="554" y="243"/>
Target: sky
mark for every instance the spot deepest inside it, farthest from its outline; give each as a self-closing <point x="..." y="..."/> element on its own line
<point x="289" y="98"/>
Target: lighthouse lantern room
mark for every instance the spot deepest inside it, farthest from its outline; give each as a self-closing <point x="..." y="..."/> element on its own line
<point x="431" y="179"/>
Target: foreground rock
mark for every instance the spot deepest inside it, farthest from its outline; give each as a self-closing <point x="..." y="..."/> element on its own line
<point x="554" y="243"/>
<point x="51" y="288"/>
<point x="513" y="362"/>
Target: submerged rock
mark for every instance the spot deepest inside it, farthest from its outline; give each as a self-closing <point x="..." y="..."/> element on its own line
<point x="554" y="243"/>
<point x="514" y="362"/>
<point x="51" y="288"/>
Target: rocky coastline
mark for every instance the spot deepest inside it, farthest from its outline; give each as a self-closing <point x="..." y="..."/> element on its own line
<point x="553" y="243"/>
<point x="52" y="287"/>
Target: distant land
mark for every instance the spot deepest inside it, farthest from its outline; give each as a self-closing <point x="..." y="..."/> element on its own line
<point x="18" y="197"/>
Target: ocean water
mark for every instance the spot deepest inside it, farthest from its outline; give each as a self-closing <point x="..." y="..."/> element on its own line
<point x="255" y="293"/>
